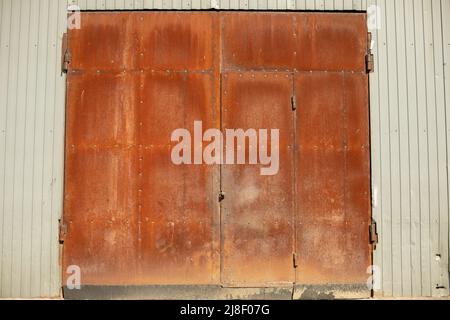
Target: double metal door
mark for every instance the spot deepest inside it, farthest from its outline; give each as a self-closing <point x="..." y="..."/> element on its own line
<point x="134" y="217"/>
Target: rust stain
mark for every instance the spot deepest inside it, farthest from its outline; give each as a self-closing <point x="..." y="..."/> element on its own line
<point x="260" y="40"/>
<point x="176" y="41"/>
<point x="99" y="210"/>
<point x="105" y="42"/>
<point x="331" y="41"/>
<point x="289" y="42"/>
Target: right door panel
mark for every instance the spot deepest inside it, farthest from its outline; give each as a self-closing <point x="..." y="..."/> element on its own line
<point x="332" y="178"/>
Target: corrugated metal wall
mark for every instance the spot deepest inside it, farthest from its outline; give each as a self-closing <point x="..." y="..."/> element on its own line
<point x="31" y="146"/>
<point x="410" y="93"/>
<point x="222" y="4"/>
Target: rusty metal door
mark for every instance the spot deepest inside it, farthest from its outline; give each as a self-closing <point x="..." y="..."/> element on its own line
<point x="257" y="211"/>
<point x="333" y="180"/>
<point x="332" y="157"/>
<point x="314" y="216"/>
<point x="133" y="217"/>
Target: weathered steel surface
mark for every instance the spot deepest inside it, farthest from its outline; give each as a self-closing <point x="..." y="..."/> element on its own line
<point x="332" y="178"/>
<point x="106" y="41"/>
<point x="178" y="211"/>
<point x="257" y="212"/>
<point x="300" y="41"/>
<point x="330" y="291"/>
<point x="178" y="292"/>
<point x="101" y="178"/>
<point x="139" y="40"/>
<point x="331" y="41"/>
<point x="133" y="216"/>
<point x="136" y="218"/>
<point x="179" y="41"/>
<point x="257" y="41"/>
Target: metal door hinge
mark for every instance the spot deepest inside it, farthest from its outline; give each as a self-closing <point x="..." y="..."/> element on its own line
<point x="62" y="231"/>
<point x="369" y="55"/>
<point x="369" y="63"/>
<point x="293" y="103"/>
<point x="373" y="233"/>
<point x="294" y="260"/>
<point x="66" y="57"/>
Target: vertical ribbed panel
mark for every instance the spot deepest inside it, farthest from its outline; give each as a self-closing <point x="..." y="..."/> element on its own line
<point x="409" y="148"/>
<point x="414" y="195"/>
<point x="31" y="146"/>
<point x="409" y="96"/>
<point x="445" y="13"/>
<point x="221" y="4"/>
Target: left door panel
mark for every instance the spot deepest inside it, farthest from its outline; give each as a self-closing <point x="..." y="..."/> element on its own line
<point x="130" y="214"/>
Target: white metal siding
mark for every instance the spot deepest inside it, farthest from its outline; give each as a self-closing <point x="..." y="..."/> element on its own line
<point x="31" y="146"/>
<point x="221" y="4"/>
<point x="409" y="94"/>
<point x="445" y="13"/>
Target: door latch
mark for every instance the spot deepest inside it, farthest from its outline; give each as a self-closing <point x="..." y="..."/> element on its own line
<point x="293" y="103"/>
